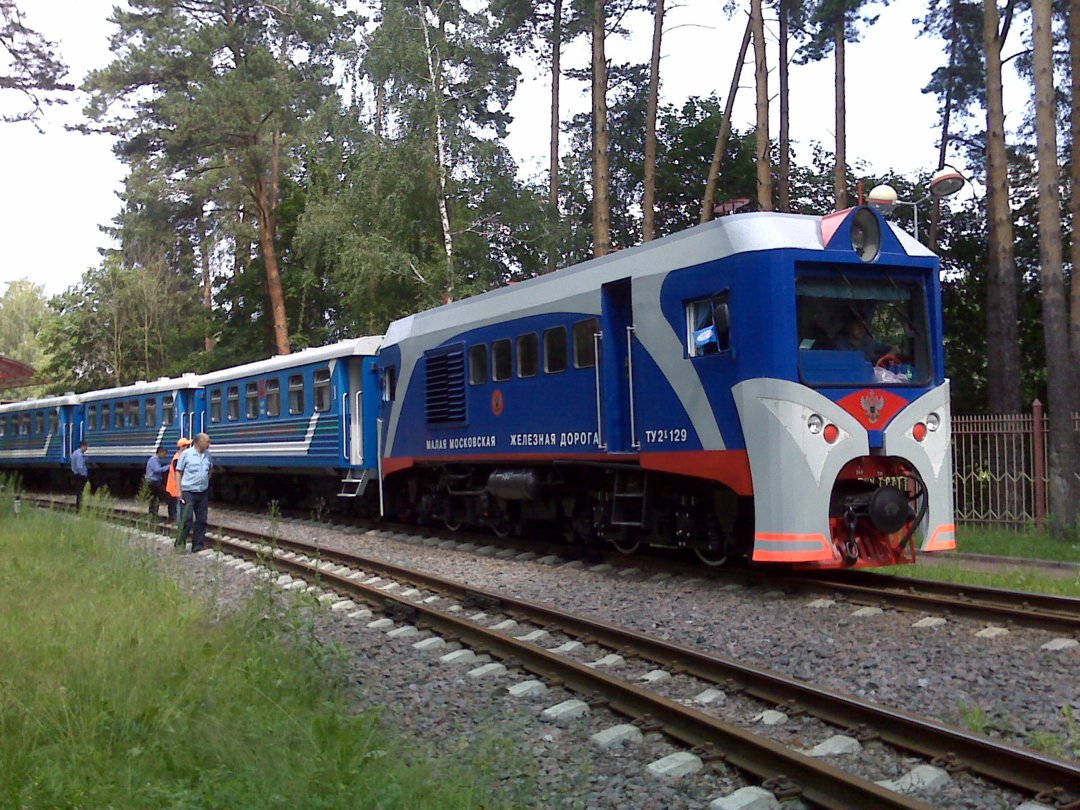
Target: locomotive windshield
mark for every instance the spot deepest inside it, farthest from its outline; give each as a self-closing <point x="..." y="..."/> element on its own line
<point x="859" y="331"/>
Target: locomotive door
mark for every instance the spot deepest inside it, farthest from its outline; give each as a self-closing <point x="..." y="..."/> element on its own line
<point x="355" y="410"/>
<point x="615" y="364"/>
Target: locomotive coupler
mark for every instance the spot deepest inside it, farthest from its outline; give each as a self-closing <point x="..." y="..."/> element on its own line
<point x="851" y="547"/>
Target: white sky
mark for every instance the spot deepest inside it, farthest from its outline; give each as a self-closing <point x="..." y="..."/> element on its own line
<point x="59" y="187"/>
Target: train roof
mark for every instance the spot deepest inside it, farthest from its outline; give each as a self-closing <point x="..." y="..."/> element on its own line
<point x="44" y="402"/>
<point x="354" y="347"/>
<point x="727" y="236"/>
<point x="186" y="382"/>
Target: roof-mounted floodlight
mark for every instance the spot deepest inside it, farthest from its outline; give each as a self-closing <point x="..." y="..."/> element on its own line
<point x="945" y="182"/>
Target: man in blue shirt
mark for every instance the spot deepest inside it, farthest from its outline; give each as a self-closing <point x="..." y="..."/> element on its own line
<point x="156" y="470"/>
<point x="80" y="475"/>
<point x="194" y="468"/>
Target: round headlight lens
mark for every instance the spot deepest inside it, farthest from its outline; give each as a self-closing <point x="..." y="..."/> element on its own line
<point x="865" y="235"/>
<point x="933" y="422"/>
<point x="815" y="423"/>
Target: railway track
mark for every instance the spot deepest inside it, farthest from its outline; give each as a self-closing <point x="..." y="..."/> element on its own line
<point x="1048" y="779"/>
<point x="1054" y="614"/>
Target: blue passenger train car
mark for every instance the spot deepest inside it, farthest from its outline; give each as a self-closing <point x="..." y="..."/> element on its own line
<point x="756" y="386"/>
<point x="37" y="437"/>
<point x="307" y="414"/>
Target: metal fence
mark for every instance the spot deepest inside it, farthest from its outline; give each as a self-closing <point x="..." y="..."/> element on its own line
<point x="999" y="467"/>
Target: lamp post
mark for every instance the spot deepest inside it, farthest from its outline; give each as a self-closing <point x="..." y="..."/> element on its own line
<point x="945" y="182"/>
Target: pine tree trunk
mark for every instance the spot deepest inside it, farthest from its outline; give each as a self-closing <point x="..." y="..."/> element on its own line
<point x="784" y="190"/>
<point x="1060" y="377"/>
<point x="207" y="282"/>
<point x="601" y="213"/>
<point x="267" y="237"/>
<point x="761" y="83"/>
<point x="709" y="200"/>
<point x="1074" y="184"/>
<point x="553" y="174"/>
<point x="649" y="203"/>
<point x="840" y="170"/>
<point x="946" y="113"/>
<point x="435" y="82"/>
<point x="1002" y="341"/>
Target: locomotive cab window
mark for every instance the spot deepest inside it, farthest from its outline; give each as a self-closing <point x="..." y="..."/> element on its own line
<point x="389" y="384"/>
<point x="215" y="405"/>
<point x="322" y="390"/>
<point x="151" y="412"/>
<point x="528" y="354"/>
<point x="585" y="343"/>
<point x="708" y="326"/>
<point x="167" y="410"/>
<point x="478" y="364"/>
<point x="273" y="397"/>
<point x="233" y="411"/>
<point x="862" y="331"/>
<point x="296" y="394"/>
<point x="252" y="399"/>
<point x="501" y="362"/>
<point x="555" y="350"/>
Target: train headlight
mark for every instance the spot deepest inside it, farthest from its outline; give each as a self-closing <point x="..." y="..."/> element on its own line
<point x="815" y="423"/>
<point x="865" y="235"/>
<point x="933" y="422"/>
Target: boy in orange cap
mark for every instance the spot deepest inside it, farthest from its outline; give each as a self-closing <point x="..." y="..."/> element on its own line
<point x="172" y="483"/>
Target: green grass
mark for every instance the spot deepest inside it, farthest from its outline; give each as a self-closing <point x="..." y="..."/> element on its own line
<point x="118" y="689"/>
<point x="1013" y="580"/>
<point x="1032" y="543"/>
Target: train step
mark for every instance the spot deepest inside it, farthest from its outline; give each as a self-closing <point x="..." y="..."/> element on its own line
<point x="353" y="485"/>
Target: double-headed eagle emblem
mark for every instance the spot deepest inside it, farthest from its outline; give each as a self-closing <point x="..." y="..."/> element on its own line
<point x="872" y="403"/>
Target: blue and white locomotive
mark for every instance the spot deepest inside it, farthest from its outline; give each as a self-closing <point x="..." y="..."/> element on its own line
<point x="766" y="386"/>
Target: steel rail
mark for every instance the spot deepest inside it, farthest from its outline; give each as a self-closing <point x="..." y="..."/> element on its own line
<point x="957" y="749"/>
<point x="708" y="736"/>
<point x="993" y="759"/>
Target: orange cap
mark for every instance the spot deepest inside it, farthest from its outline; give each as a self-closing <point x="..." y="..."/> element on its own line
<point x="183" y="443"/>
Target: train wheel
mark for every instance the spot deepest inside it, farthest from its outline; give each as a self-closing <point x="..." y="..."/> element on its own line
<point x="453" y="524"/>
<point x="712" y="554"/>
<point x="626" y="543"/>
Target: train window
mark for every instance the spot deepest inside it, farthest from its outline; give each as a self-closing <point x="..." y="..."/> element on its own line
<point x="215" y="405"/>
<point x="296" y="394"/>
<point x="105" y="423"/>
<point x="54" y="421"/>
<point x="132" y="413"/>
<point x="118" y="414"/>
<point x="500" y="360"/>
<point x="234" y="403"/>
<point x="862" y="331"/>
<point x="555" y="350"/>
<point x="252" y="396"/>
<point x="585" y="343"/>
<point x="708" y="329"/>
<point x="91" y="418"/>
<point x="167" y="410"/>
<point x="389" y="392"/>
<point x="528" y="354"/>
<point x="273" y="397"/>
<point x="151" y="412"/>
<point x="322" y="390"/>
<point x="24" y="425"/>
<point x="3" y="426"/>
<point x="478" y="364"/>
<point x="39" y="422"/>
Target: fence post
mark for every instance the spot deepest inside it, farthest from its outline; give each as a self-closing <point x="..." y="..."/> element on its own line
<point x="1038" y="441"/>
